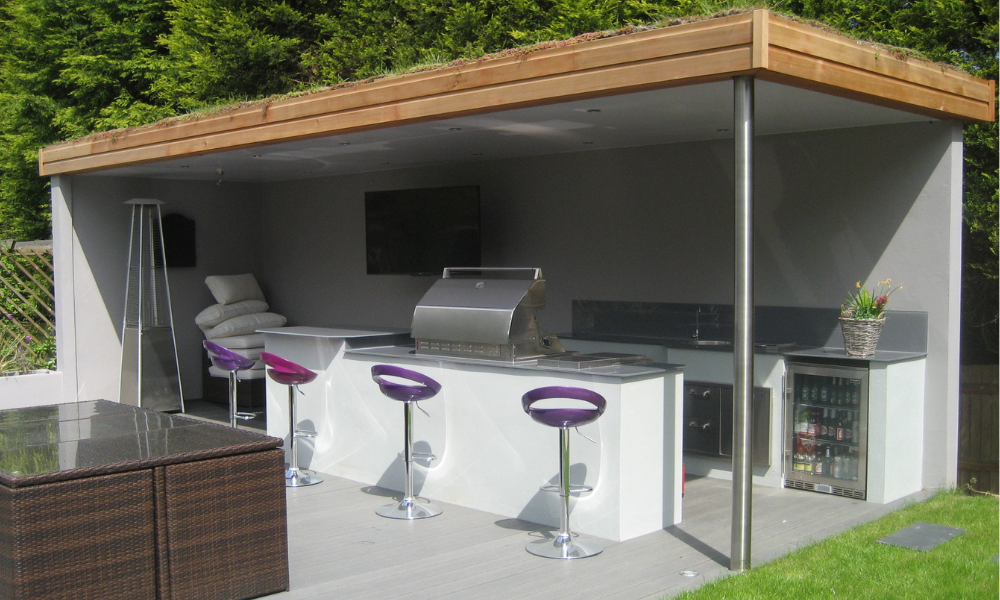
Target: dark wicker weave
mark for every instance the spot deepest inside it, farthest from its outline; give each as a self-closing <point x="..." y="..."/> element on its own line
<point x="78" y="540"/>
<point x="225" y="544"/>
<point x="186" y="512"/>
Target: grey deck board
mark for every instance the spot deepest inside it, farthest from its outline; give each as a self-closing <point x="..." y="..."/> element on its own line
<point x="339" y="547"/>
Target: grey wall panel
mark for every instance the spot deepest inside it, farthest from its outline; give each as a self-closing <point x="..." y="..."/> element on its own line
<point x="228" y="242"/>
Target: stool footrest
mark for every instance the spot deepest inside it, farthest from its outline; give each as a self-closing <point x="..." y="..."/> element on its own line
<point x="418" y="455"/>
<point x="573" y="489"/>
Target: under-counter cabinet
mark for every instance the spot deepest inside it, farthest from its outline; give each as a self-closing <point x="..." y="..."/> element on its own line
<point x="708" y="421"/>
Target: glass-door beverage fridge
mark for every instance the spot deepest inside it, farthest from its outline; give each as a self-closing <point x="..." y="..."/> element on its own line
<point x="826" y="412"/>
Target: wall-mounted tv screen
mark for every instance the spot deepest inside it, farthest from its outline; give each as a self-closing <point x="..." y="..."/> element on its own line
<point x="422" y="231"/>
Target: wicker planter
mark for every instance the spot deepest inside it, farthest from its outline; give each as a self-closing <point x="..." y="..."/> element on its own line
<point x="861" y="335"/>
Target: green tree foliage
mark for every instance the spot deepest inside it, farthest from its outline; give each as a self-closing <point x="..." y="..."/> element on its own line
<point x="67" y="68"/>
<point x="218" y="50"/>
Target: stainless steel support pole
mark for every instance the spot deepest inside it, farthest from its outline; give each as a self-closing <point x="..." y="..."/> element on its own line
<point x="743" y="112"/>
<point x="564" y="534"/>
<point x="232" y="399"/>
<point x="408" y="452"/>
<point x="293" y="467"/>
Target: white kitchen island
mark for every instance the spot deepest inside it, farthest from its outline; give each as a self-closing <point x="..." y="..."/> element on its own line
<point x="491" y="456"/>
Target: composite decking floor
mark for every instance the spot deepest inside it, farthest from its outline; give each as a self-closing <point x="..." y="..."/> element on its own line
<point x="339" y="547"/>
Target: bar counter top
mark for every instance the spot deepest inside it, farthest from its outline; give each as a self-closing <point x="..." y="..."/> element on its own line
<point x="620" y="371"/>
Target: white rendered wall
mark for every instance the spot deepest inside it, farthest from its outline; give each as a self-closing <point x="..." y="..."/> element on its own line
<point x="491" y="456"/>
<point x="894" y="455"/>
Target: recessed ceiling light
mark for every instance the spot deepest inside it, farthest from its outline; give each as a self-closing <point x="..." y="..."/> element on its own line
<point x="593" y="110"/>
<point x="454" y="129"/>
<point x="345" y="143"/>
<point x="256" y="155"/>
<point x="185" y="166"/>
<point x="587" y="143"/>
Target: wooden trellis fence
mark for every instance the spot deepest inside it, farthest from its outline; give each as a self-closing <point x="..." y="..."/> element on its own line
<point x="27" y="299"/>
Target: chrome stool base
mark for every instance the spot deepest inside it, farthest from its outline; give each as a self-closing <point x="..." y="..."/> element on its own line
<point x="561" y="547"/>
<point x="409" y="511"/>
<point x="301" y="478"/>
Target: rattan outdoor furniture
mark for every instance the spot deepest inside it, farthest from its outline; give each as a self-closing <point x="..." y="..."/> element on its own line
<point x="102" y="500"/>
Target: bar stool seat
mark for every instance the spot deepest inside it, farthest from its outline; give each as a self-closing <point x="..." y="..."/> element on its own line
<point x="410" y="507"/>
<point x="286" y="372"/>
<point x="564" y="545"/>
<point x="227" y="360"/>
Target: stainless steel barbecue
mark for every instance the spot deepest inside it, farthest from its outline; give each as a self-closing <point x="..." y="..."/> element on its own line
<point x="484" y="313"/>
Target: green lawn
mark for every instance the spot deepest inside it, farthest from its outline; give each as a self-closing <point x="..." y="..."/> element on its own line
<point x="854" y="565"/>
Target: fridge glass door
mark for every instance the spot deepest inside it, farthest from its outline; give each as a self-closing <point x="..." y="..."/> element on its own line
<point x="827" y="429"/>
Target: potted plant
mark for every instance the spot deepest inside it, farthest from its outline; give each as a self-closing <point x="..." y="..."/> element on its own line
<point x="862" y="317"/>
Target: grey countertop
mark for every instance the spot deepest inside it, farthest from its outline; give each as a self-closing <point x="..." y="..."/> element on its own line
<point x="678" y="343"/>
<point x="386" y="343"/>
<point x="623" y="371"/>
<point x="333" y="332"/>
<point x="881" y="356"/>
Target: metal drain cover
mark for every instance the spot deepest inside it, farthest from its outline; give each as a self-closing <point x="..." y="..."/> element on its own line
<point x="922" y="536"/>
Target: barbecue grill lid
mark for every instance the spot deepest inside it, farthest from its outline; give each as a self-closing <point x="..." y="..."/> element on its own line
<point x="482" y="310"/>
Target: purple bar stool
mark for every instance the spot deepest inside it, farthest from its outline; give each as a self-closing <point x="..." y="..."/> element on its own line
<point x="227" y="360"/>
<point x="564" y="546"/>
<point x="288" y="373"/>
<point x="410" y="507"/>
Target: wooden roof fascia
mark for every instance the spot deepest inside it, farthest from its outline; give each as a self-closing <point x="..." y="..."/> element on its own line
<point x="761" y="37"/>
<point x="761" y="43"/>
<point x="865" y="72"/>
<point x="667" y="72"/>
<point x="620" y="50"/>
<point x="838" y="80"/>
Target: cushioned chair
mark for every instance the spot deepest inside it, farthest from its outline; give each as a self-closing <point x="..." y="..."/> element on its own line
<point x="231" y="362"/>
<point x="410" y="507"/>
<point x="293" y="375"/>
<point x="564" y="545"/>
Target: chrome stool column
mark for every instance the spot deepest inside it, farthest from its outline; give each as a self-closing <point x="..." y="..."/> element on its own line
<point x="288" y="373"/>
<point x="410" y="507"/>
<point x="227" y="360"/>
<point x="564" y="546"/>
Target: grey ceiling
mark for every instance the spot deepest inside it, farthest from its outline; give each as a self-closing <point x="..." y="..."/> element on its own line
<point x="681" y="114"/>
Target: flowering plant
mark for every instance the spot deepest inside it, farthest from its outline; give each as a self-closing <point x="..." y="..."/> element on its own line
<point x="22" y="353"/>
<point x="865" y="304"/>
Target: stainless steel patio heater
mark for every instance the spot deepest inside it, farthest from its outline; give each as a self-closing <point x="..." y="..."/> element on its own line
<point x="150" y="376"/>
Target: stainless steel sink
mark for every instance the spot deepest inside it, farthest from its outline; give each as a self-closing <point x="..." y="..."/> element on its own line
<point x="772" y="348"/>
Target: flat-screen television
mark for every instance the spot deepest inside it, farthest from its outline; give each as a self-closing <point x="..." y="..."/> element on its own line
<point x="422" y="231"/>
